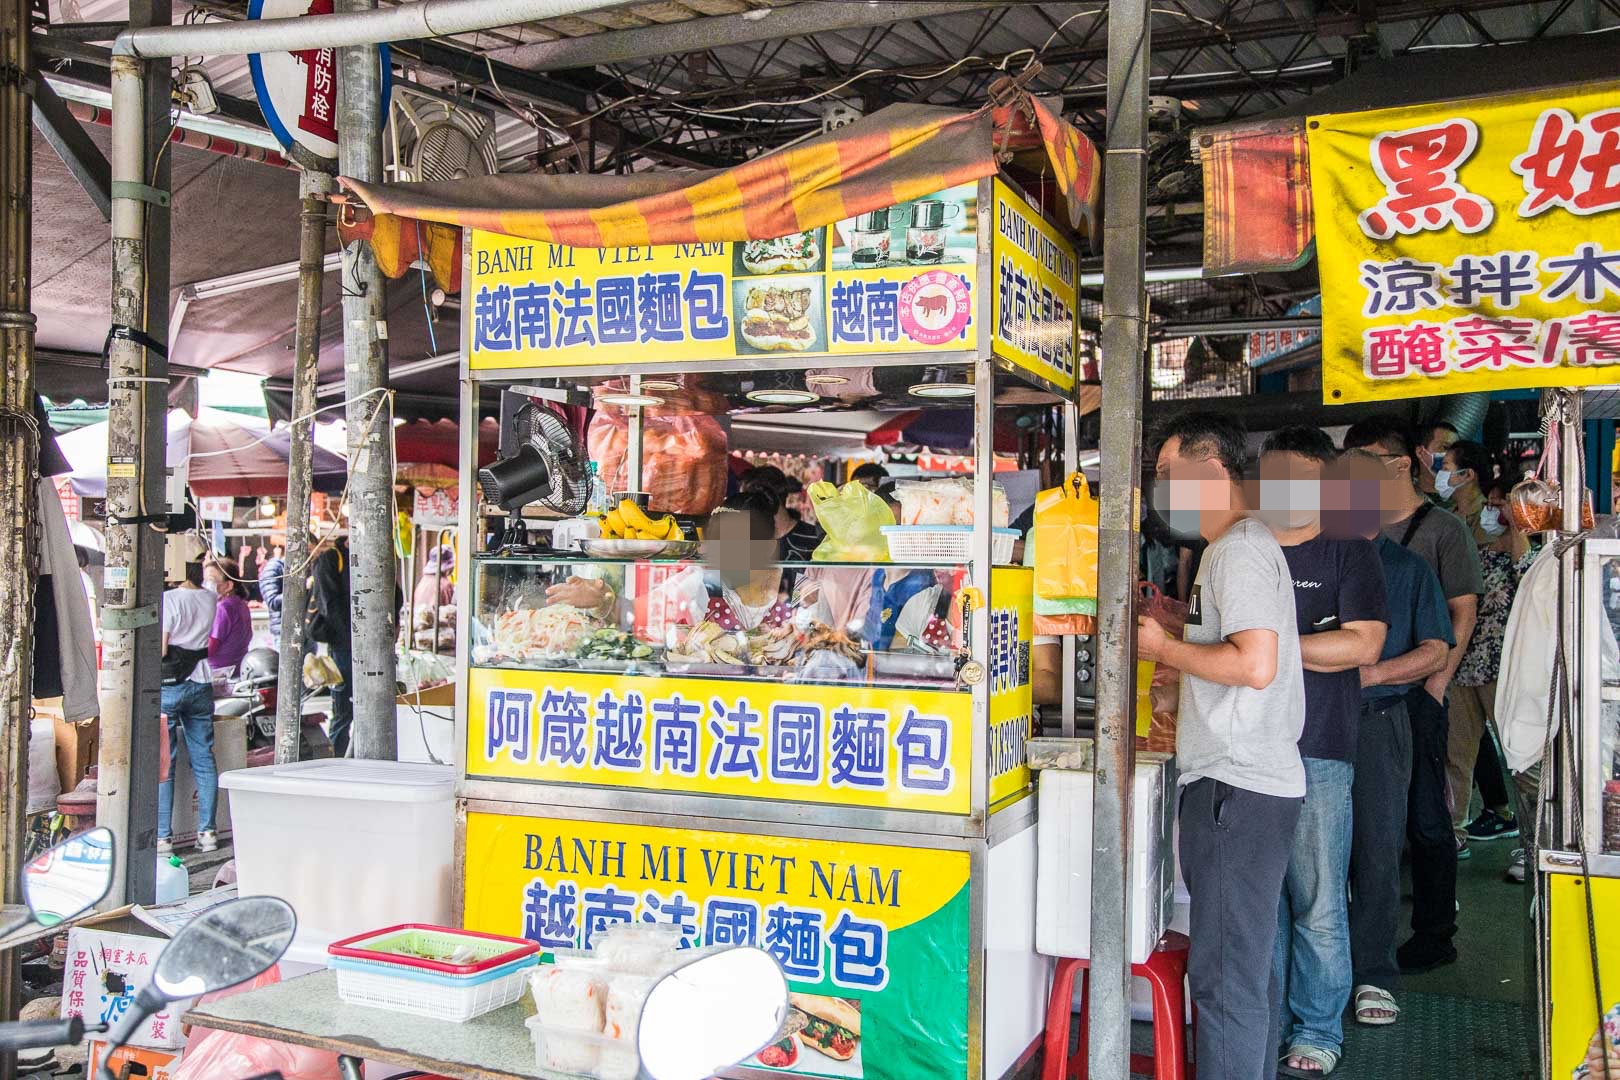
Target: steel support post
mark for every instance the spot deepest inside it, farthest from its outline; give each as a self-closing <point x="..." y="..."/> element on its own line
<point x="301" y="463"/>
<point x="138" y="385"/>
<point x="370" y="419"/>
<point x="1124" y="345"/>
<point x="19" y="471"/>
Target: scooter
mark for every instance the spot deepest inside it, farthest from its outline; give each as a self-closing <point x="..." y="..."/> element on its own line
<point x="254" y="697"/>
<point x="677" y="1038"/>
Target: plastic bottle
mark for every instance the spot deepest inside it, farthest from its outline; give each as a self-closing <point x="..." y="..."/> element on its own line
<point x="173" y="882"/>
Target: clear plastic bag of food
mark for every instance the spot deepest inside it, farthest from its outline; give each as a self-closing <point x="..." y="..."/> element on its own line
<point x="946" y="502"/>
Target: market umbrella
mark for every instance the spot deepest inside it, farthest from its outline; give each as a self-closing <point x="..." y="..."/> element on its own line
<point x="224" y="454"/>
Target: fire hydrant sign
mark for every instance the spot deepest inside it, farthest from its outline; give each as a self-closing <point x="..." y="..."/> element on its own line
<point x="297" y="91"/>
<point x="1469" y="245"/>
<point x="872" y="937"/>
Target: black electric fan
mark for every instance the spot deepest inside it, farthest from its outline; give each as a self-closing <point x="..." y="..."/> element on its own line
<point x="540" y="462"/>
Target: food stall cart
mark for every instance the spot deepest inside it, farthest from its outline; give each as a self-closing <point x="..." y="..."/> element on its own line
<point x="861" y="810"/>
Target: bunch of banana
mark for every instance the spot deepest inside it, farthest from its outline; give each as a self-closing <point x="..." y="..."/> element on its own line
<point x="627" y="521"/>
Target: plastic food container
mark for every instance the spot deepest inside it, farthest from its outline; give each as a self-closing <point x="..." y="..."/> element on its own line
<point x="583" y="1053"/>
<point x="351" y="845"/>
<point x="427" y="993"/>
<point x="945" y="543"/>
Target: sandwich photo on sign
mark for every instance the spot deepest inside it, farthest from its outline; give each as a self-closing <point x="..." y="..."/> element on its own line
<point x="795" y="253"/>
<point x="780" y="314"/>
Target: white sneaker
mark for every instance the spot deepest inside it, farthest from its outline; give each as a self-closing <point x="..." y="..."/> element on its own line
<point x="165" y="846"/>
<point x="1515" y="870"/>
<point x="207" y="841"/>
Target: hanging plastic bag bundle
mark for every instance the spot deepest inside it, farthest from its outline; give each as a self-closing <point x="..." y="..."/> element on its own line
<point x="1065" y="542"/>
<point x="853" y="517"/>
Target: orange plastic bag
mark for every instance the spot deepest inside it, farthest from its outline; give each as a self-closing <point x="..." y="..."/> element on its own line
<point x="211" y="1054"/>
<point x="1066" y="541"/>
<point x="683" y="459"/>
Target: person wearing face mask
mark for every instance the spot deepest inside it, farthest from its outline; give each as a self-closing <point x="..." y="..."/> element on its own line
<point x="1465" y="472"/>
<point x="1340" y="613"/>
<point x="1383" y="789"/>
<point x="1471" y="756"/>
<point x="233" y="622"/>
<point x="1237" y="743"/>
<point x="1441" y="539"/>
<point x="1432" y="444"/>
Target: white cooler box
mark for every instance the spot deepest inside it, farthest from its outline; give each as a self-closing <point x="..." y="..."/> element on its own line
<point x="1063" y="872"/>
<point x="351" y="845"/>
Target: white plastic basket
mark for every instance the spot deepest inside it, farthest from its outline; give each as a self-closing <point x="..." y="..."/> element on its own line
<point x="945" y="543"/>
<point x="442" y="998"/>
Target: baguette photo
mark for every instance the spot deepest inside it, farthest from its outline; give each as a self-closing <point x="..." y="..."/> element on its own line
<point x="777" y="319"/>
<point x="832" y="1025"/>
<point x="794" y="252"/>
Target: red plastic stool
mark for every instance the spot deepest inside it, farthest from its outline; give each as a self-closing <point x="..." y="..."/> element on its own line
<point x="1166" y="972"/>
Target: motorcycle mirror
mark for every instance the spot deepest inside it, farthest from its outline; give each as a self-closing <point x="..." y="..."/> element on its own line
<point x="224" y="946"/>
<point x="69" y="879"/>
<point x="711" y="1014"/>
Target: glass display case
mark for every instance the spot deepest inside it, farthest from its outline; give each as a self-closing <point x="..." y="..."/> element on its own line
<point x="1600" y="699"/>
<point x="880" y="624"/>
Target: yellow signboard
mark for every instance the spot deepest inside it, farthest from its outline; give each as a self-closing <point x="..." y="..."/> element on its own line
<point x="1575" y="1033"/>
<point x="1012" y="711"/>
<point x="845" y="745"/>
<point x="1033" y="304"/>
<point x="881" y="930"/>
<point x="1469" y="245"/>
<point x="895" y="280"/>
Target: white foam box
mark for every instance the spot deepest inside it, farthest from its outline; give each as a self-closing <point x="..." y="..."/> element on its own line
<point x="352" y="845"/>
<point x="1063" y="874"/>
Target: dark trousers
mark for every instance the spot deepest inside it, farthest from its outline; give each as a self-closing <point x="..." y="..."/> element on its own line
<point x="1489" y="773"/>
<point x="1235" y="847"/>
<point x="1428" y="823"/>
<point x="342" y="699"/>
<point x="1378" y="797"/>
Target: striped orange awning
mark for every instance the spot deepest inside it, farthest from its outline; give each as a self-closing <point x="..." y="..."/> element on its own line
<point x="1257" y="197"/>
<point x="900" y="153"/>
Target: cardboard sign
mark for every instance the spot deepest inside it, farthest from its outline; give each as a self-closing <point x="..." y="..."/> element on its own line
<point x="103" y="974"/>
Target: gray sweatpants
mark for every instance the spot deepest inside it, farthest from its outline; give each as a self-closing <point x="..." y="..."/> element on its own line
<point x="1235" y="847"/>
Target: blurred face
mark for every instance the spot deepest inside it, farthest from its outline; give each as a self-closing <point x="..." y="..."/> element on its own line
<point x="1192" y="494"/>
<point x="214" y="580"/>
<point x="732" y="551"/>
<point x="1290" y="490"/>
<point x="1352" y="497"/>
<point x="1397" y="479"/>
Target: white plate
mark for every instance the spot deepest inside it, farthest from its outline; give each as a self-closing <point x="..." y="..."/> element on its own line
<point x="638" y="549"/>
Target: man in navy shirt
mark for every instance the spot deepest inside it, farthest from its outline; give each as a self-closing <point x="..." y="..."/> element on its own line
<point x="1416" y="646"/>
<point x="1339" y="609"/>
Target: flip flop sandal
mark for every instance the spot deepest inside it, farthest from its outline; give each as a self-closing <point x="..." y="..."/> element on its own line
<point x="1322" y="1056"/>
<point x="1370" y="999"/>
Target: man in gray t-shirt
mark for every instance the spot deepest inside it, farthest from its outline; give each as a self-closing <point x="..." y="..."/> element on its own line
<point x="1242" y="713"/>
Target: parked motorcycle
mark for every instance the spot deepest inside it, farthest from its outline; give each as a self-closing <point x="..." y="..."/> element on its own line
<point x="255" y="694"/>
<point x="227" y="945"/>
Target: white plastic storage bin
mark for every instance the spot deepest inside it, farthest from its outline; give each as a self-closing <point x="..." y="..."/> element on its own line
<point x="1063" y="870"/>
<point x="351" y="845"/>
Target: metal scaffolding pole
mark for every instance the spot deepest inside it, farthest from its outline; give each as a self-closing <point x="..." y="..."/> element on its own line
<point x="19" y="470"/>
<point x="370" y="419"/>
<point x="137" y="383"/>
<point x="301" y="463"/>
<point x="1124" y="345"/>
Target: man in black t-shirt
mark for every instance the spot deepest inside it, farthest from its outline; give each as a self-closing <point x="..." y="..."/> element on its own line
<point x="1341" y="614"/>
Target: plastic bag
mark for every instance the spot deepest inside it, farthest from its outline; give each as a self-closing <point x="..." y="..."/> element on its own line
<point x="1065" y="541"/>
<point x="212" y="1054"/>
<point x="1536" y="503"/>
<point x="853" y="517"/>
<point x="683" y="458"/>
